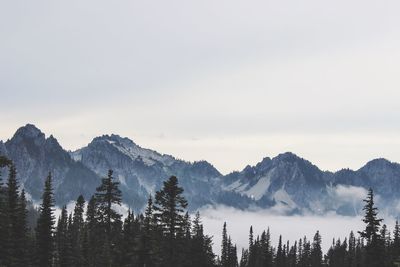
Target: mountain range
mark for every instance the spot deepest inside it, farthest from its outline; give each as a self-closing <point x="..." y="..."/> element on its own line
<point x="286" y="183"/>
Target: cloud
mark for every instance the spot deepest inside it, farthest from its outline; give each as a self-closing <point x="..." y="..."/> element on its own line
<point x="349" y="193"/>
<point x="291" y="228"/>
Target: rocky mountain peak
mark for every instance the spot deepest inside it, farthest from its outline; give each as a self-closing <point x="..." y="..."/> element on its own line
<point x="29" y="131"/>
<point x="378" y="163"/>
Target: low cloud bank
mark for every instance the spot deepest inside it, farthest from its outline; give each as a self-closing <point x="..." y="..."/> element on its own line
<point x="291" y="228"/>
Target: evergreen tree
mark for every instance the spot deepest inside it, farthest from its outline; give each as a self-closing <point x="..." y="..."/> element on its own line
<point x="169" y="210"/>
<point x="22" y="236"/>
<point x="45" y="226"/>
<point x="107" y="195"/>
<point x="371" y="232"/>
<point x="279" y="259"/>
<point x="201" y="246"/>
<point x="252" y="249"/>
<point x="77" y="232"/>
<point x="128" y="244"/>
<point x="63" y="240"/>
<point x="352" y="251"/>
<point x="12" y="256"/>
<point x="92" y="235"/>
<point x="224" y="247"/>
<point x="147" y="251"/>
<point x="316" y="251"/>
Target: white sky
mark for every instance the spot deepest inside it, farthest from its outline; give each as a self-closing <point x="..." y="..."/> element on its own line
<point x="227" y="81"/>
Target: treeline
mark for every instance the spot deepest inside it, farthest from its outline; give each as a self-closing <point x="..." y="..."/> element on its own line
<point x="374" y="247"/>
<point x="165" y="235"/>
<point x="95" y="234"/>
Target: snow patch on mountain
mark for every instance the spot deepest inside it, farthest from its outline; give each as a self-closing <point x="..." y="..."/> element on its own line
<point x="283" y="197"/>
<point x="260" y="188"/>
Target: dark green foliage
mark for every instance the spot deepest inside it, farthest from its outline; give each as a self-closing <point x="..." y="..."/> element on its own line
<point x="109" y="220"/>
<point x="45" y="227"/>
<point x="76" y="230"/>
<point x="169" y="211"/>
<point x="316" y="251"/>
<point x="224" y="247"/>
<point x="4" y="162"/>
<point x="108" y="194"/>
<point x="165" y="235"/>
<point x="63" y="239"/>
<point x="374" y="255"/>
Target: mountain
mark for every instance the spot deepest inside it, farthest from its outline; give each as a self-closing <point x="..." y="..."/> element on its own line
<point x="286" y="183"/>
<point x="292" y="184"/>
<point x="35" y="156"/>
<point x="142" y="171"/>
<point x="286" y="180"/>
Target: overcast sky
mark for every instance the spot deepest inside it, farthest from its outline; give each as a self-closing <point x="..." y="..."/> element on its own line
<point x="223" y="80"/>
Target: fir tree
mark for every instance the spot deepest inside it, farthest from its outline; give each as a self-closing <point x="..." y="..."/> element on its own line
<point x="371" y="232"/>
<point x="279" y="259"/>
<point x="147" y="236"/>
<point x="352" y="250"/>
<point x="22" y="236"/>
<point x="107" y="195"/>
<point x="92" y="234"/>
<point x="45" y="226"/>
<point x="63" y="240"/>
<point x="12" y="256"/>
<point x="316" y="251"/>
<point x="224" y="247"/>
<point x="169" y="208"/>
<point x="77" y="232"/>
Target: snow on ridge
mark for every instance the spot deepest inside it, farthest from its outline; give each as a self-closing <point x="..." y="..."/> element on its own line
<point x="233" y="186"/>
<point x="282" y="196"/>
<point x="148" y="156"/>
<point x="260" y="188"/>
<point x="76" y="156"/>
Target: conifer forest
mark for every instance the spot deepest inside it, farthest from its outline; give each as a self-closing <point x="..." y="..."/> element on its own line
<point x="164" y="235"/>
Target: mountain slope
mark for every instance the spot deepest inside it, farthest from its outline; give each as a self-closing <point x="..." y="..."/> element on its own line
<point x="141" y="171"/>
<point x="285" y="183"/>
<point x="35" y="156"/>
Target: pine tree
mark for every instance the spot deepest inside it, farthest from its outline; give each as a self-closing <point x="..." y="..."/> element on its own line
<point x="396" y="243"/>
<point x="371" y="232"/>
<point x="279" y="259"/>
<point x="22" y="236"/>
<point x="12" y="256"/>
<point x="4" y="162"/>
<point x="316" y="251"/>
<point x="45" y="226"/>
<point x="77" y="232"/>
<point x="224" y="247"/>
<point x="92" y="234"/>
<point x="146" y="250"/>
<point x="128" y="244"/>
<point x="63" y="240"/>
<point x="169" y="209"/>
<point x="107" y="195"/>
<point x="252" y="250"/>
<point x="352" y="250"/>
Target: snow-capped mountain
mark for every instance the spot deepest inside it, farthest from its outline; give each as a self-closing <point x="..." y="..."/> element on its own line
<point x="286" y="180"/>
<point x="141" y="171"/>
<point x="285" y="183"/>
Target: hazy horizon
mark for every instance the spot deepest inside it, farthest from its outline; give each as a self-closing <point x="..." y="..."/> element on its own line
<point x="224" y="173"/>
<point x="227" y="81"/>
